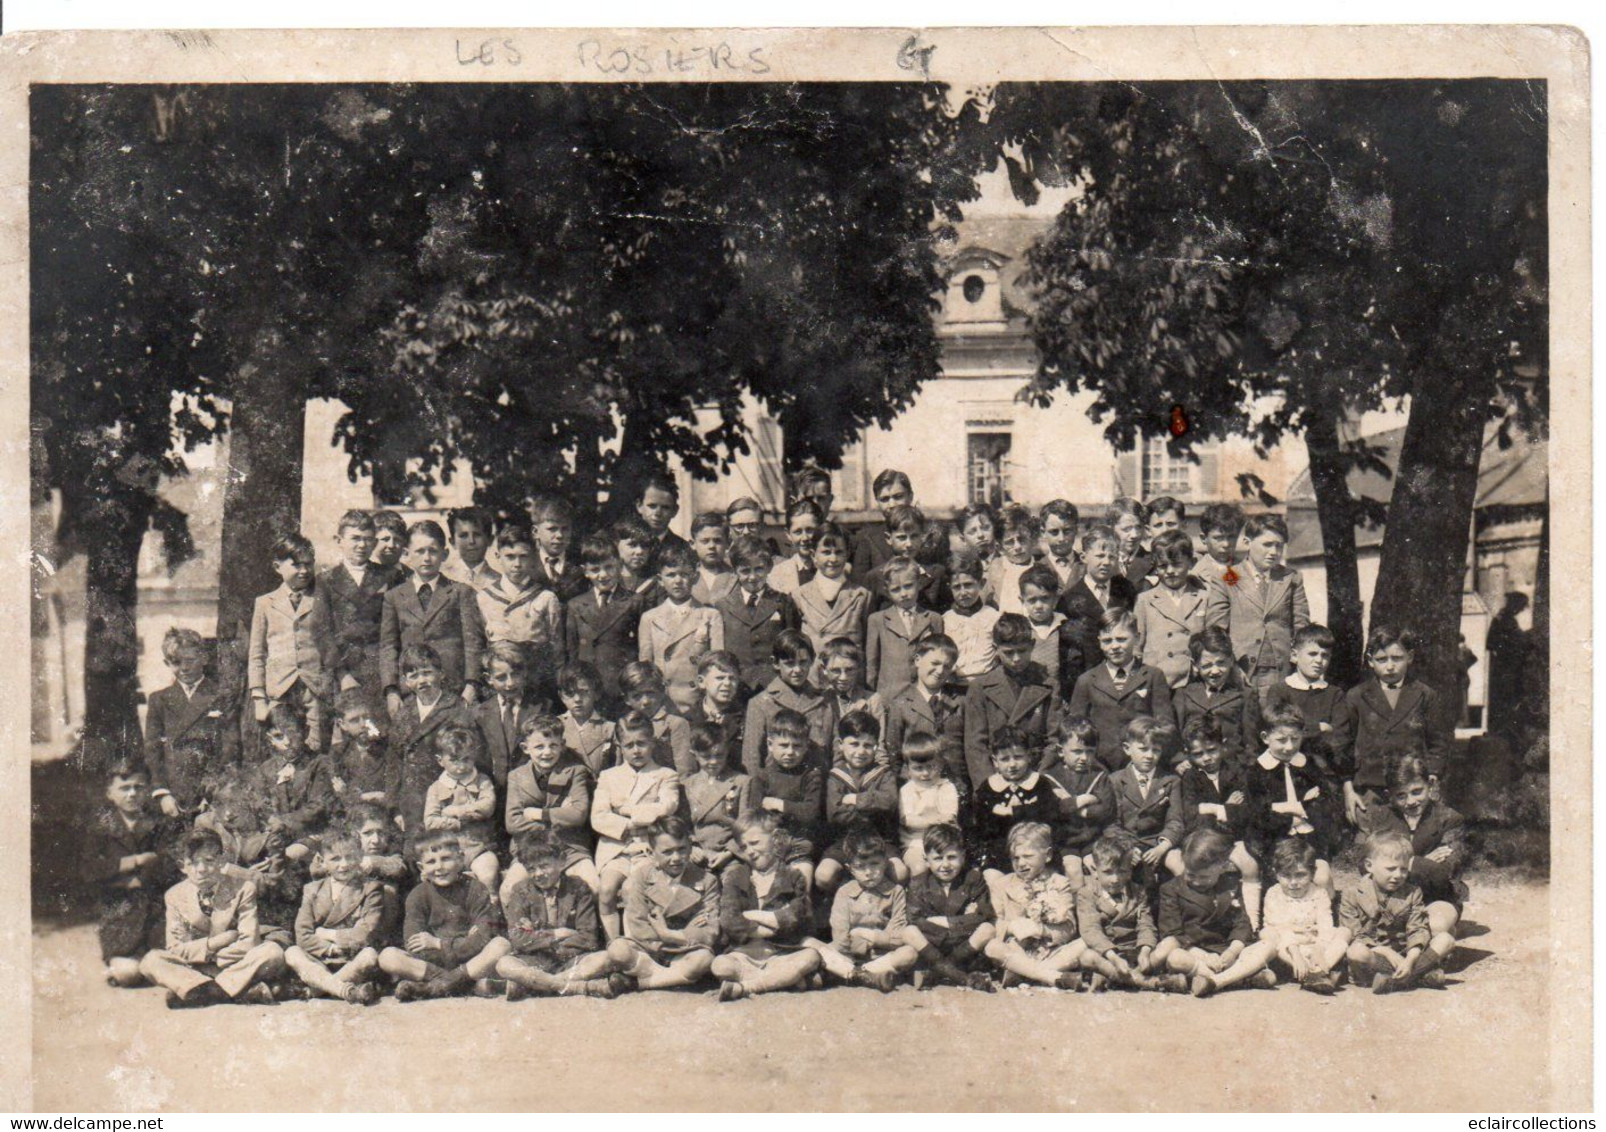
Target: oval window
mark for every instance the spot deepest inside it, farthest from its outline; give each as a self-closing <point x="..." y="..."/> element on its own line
<point x="975" y="287"/>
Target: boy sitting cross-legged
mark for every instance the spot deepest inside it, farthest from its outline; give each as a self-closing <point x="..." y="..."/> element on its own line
<point x="1205" y="933"/>
<point x="553" y="933"/>
<point x="868" y="918"/>
<point x="671" y="916"/>
<point x="1392" y="941"/>
<point x="950" y="914"/>
<point x="339" y="919"/>
<point x="447" y="939"/>
<point x="765" y="913"/>
<point x="1113" y="915"/>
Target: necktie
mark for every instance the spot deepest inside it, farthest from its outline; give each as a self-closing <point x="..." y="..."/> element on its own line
<point x="295" y="600"/>
<point x="752" y="601"/>
<point x="424" y="592"/>
<point x="939" y="712"/>
<point x="1103" y="593"/>
<point x="507" y="718"/>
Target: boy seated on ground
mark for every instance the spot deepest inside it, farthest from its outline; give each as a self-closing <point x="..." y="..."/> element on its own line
<point x="1035" y="937"/>
<point x="764" y="914"/>
<point x="950" y="914"/>
<point x="1112" y="913"/>
<point x="1298" y="919"/>
<point x="336" y="928"/>
<point x="447" y="938"/>
<point x="671" y="914"/>
<point x="1204" y="930"/>
<point x="553" y="933"/>
<point x="212" y="951"/>
<point x="1392" y="944"/>
<point x="868" y="918"/>
<point x="126" y="858"/>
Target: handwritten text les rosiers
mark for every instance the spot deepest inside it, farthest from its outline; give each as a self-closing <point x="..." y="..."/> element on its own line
<point x="642" y="59"/>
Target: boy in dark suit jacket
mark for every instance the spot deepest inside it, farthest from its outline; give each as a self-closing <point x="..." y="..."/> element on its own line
<point x="1393" y="714"/>
<point x="1121" y="689"/>
<point x="1213" y="791"/>
<point x="1016" y="694"/>
<point x="338" y="925"/>
<point x="909" y="535"/>
<point x="552" y="522"/>
<point x="431" y="609"/>
<point x="1101" y="587"/>
<point x="755" y="615"/>
<point x="191" y="731"/>
<point x="600" y="624"/>
<point x="933" y="704"/>
<point x="1087" y="803"/>
<point x="501" y="715"/>
<point x="1143" y="793"/>
<point x="950" y="914"/>
<point x="126" y="856"/>
<point x="354" y="589"/>
<point x="1129" y="519"/>
<point x="414" y="723"/>
<point x="872" y="546"/>
<point x="1217" y="692"/>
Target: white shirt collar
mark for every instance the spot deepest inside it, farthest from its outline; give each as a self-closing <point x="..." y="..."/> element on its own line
<point x="418" y="582"/>
<point x="997" y="782"/>
<point x="356" y="572"/>
<point x="1298" y="682"/>
<point x="1269" y="761"/>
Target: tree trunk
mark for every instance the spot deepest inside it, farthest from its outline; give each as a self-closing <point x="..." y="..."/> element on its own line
<point x="1420" y="579"/>
<point x="1335" y="512"/>
<point x="111" y="530"/>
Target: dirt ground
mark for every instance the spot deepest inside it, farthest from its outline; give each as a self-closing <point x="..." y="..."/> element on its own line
<point x="102" y="1050"/>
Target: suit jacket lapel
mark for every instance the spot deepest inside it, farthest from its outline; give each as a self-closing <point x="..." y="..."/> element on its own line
<point x="196" y="706"/>
<point x="608" y="613"/>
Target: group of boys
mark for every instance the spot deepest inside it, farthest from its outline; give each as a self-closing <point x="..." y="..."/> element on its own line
<point x="1065" y="754"/>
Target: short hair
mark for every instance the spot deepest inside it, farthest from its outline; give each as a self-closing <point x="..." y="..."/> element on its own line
<point x="831" y="532"/>
<point x="285" y="715"/>
<point x="967" y="563"/>
<point x="514" y="654"/>
<point x="294" y="547"/>
<point x="906" y="515"/>
<point x="788" y="724"/>
<point x="801" y="506"/>
<point x="1013" y="629"/>
<point x="889" y="477"/>
<point x="1257" y="525"/>
<point x="1112" y="853"/>
<point x="722" y="659"/>
<point x="630" y="528"/>
<point x="743" y="503"/>
<point x="473" y="516"/>
<point x="676" y="556"/>
<point x="1213" y="639"/>
<point x="1281" y="717"/>
<point x="355" y="520"/>
<point x="1224" y="517"/>
<point x="1140" y="729"/>
<point x="1077" y="727"/>
<point x="708" y="738"/>
<point x="1291" y="853"/>
<point x="576" y="673"/>
<point x="658" y="481"/>
<point x="550" y="509"/>
<point x="598" y="548"/>
<point x="1009" y="738"/>
<point x="539" y="845"/>
<point x="1404" y="769"/>
<point x="931" y="643"/>
<point x="811" y="474"/>
<point x="670" y="825"/>
<point x="1314" y="634"/>
<point x="414" y="657"/>
<point x="977" y="511"/>
<point x="920" y="747"/>
<point x="901" y="565"/>
<point x="1124" y="505"/>
<point x="459" y="742"/>
<point x="202" y="841"/>
<point x="337" y="837"/>
<point x="1160" y="504"/>
<point x="353" y="699"/>
<point x="1099" y="534"/>
<point x="838" y="647"/>
<point x="436" y="839"/>
<point x="1386" y="636"/>
<point x="175" y="640"/>
<point x="426" y="528"/>
<point x="942" y="837"/>
<point x="514" y="534"/>
<point x="1116" y="617"/>
<point x="1173" y="547"/>
<point x="636" y="723"/>
<point x="859" y="725"/>
<point x="1041" y="576"/>
<point x="707" y="520"/>
<point x="750" y="550"/>
<point x="1386" y="843"/>
<point x="385" y="520"/>
<point x="363" y="812"/>
<point x="863" y="845"/>
<point x="543" y="724"/>
<point x="1202" y="729"/>
<point x="1063" y="510"/>
<point x="792" y="645"/>
<point x="126" y="768"/>
<point x="1018" y="518"/>
<point x="1034" y="833"/>
<point x="1205" y="846"/>
<point x="640" y="676"/>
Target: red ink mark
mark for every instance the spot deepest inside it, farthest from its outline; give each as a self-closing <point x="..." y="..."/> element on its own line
<point x="1179" y="421"/>
<point x="1230" y="576"/>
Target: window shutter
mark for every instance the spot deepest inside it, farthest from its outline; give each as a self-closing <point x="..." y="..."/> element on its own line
<point x="1207" y="475"/>
<point x="1128" y="475"/>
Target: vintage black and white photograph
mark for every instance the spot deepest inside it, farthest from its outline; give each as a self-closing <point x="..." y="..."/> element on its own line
<point x="688" y="585"/>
